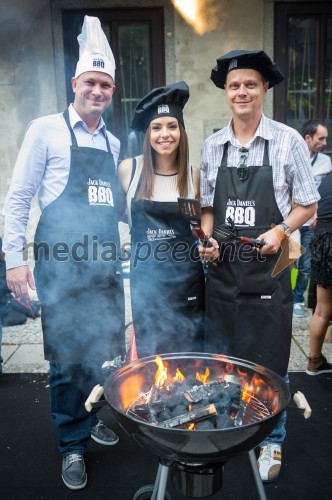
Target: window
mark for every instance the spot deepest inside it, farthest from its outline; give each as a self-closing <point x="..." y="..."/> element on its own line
<point x="303" y="50"/>
<point x="136" y="37"/>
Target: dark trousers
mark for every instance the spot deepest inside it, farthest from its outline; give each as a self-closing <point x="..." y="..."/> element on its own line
<point x="70" y="385"/>
<point x="303" y="265"/>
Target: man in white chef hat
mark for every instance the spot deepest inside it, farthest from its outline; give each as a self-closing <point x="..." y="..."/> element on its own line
<point x="70" y="158"/>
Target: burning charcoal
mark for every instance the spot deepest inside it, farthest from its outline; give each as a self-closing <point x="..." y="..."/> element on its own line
<point x="179" y="410"/>
<point x="235" y="391"/>
<point x="204" y="425"/>
<point x="141" y="410"/>
<point x="225" y="398"/>
<point x="199" y="392"/>
<point x="239" y="415"/>
<point x="154" y="393"/>
<point x="173" y="401"/>
<point x="189" y="383"/>
<point x="178" y="385"/>
<point x="150" y="411"/>
<point x="234" y="407"/>
<point x="221" y="406"/>
<point x="202" y="403"/>
<point x="224" y="422"/>
<point x="217" y="396"/>
<point x="191" y="416"/>
<point x="164" y="415"/>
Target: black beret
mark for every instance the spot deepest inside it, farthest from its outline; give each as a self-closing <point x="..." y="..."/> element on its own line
<point x="162" y="101"/>
<point x="246" y="59"/>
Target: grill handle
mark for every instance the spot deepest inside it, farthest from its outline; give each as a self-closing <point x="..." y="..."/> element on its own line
<point x="302" y="404"/>
<point x="93" y="400"/>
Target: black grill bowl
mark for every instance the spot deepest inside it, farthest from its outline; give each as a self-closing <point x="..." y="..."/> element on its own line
<point x="195" y="446"/>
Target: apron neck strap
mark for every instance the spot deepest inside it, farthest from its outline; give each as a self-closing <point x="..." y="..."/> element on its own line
<point x="266" y="160"/>
<point x="224" y="156"/>
<point x="73" y="138"/>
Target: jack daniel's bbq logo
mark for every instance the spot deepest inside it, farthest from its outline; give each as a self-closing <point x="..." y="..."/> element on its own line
<point x="100" y="192"/>
<point x="163" y="108"/>
<point x="242" y="212"/>
<point x="98" y="63"/>
<point x="160" y="234"/>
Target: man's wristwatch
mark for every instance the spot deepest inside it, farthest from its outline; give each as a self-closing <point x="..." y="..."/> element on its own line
<point x="287" y="230"/>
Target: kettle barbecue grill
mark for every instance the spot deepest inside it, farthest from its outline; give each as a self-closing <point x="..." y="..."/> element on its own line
<point x="194" y="459"/>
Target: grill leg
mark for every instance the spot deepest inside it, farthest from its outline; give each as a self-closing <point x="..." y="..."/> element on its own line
<point x="257" y="477"/>
<point x="159" y="489"/>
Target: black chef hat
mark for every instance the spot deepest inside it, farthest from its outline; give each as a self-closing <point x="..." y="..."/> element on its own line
<point x="162" y="101"/>
<point x="246" y="59"/>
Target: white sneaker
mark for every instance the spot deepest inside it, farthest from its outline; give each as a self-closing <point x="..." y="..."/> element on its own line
<point x="298" y="310"/>
<point x="269" y="462"/>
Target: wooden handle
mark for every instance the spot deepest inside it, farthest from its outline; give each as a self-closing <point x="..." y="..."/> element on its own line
<point x="301" y="402"/>
<point x="94" y="397"/>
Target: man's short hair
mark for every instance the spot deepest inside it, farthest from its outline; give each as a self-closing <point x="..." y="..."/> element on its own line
<point x="310" y="126"/>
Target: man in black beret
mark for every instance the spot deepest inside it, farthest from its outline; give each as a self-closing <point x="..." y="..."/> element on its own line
<point x="255" y="178"/>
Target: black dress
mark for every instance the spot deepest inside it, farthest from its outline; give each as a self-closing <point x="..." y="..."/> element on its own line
<point x="321" y="244"/>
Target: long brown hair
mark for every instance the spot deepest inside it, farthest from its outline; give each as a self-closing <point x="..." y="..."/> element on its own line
<point x="149" y="162"/>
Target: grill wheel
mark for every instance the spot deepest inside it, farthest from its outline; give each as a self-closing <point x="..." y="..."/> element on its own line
<point x="145" y="493"/>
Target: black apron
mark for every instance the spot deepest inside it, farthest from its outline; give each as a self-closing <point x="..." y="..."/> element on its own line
<point x="78" y="277"/>
<point x="166" y="280"/>
<point x="248" y="312"/>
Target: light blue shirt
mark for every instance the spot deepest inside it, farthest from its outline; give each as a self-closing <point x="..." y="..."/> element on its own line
<point x="43" y="165"/>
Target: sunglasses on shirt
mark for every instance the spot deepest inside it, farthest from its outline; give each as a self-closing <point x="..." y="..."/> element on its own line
<point x="242" y="170"/>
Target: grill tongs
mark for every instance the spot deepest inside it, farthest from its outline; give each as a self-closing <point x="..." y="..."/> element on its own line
<point x="191" y="209"/>
<point x="224" y="234"/>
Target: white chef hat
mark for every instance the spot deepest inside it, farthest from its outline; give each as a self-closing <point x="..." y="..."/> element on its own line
<point x="95" y="52"/>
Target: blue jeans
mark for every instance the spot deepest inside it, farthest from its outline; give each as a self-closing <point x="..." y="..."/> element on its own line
<point x="278" y="434"/>
<point x="70" y="385"/>
<point x="303" y="265"/>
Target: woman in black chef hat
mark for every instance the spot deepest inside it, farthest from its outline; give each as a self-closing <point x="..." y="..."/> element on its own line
<point x="166" y="276"/>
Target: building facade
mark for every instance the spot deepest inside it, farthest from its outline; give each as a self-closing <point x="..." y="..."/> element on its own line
<point x="155" y="42"/>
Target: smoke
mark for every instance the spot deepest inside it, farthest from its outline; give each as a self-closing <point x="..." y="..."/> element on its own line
<point x="168" y="307"/>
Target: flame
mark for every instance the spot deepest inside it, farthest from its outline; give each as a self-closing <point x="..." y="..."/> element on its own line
<point x="161" y="374"/>
<point x="191" y="427"/>
<point x="202" y="378"/>
<point x="179" y="376"/>
<point x="202" y="15"/>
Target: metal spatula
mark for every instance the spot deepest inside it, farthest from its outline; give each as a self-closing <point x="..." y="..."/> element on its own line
<point x="191" y="209"/>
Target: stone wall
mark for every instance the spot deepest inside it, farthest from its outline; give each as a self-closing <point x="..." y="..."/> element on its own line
<point x="32" y="69"/>
<point x="27" y="83"/>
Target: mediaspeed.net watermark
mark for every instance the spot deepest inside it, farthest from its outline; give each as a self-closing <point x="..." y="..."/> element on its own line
<point x="90" y="249"/>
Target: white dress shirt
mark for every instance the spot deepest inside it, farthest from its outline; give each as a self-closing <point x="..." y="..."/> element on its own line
<point x="43" y="165"/>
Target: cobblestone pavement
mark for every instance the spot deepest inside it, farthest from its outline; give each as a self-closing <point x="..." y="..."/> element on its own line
<point x="22" y="346"/>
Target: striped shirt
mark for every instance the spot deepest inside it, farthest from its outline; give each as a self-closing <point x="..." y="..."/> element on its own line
<point x="289" y="157"/>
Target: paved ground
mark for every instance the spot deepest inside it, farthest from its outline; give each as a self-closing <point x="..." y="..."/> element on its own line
<point x="22" y="346"/>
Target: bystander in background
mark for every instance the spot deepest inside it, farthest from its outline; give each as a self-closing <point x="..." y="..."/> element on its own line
<point x="321" y="257"/>
<point x="314" y="132"/>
